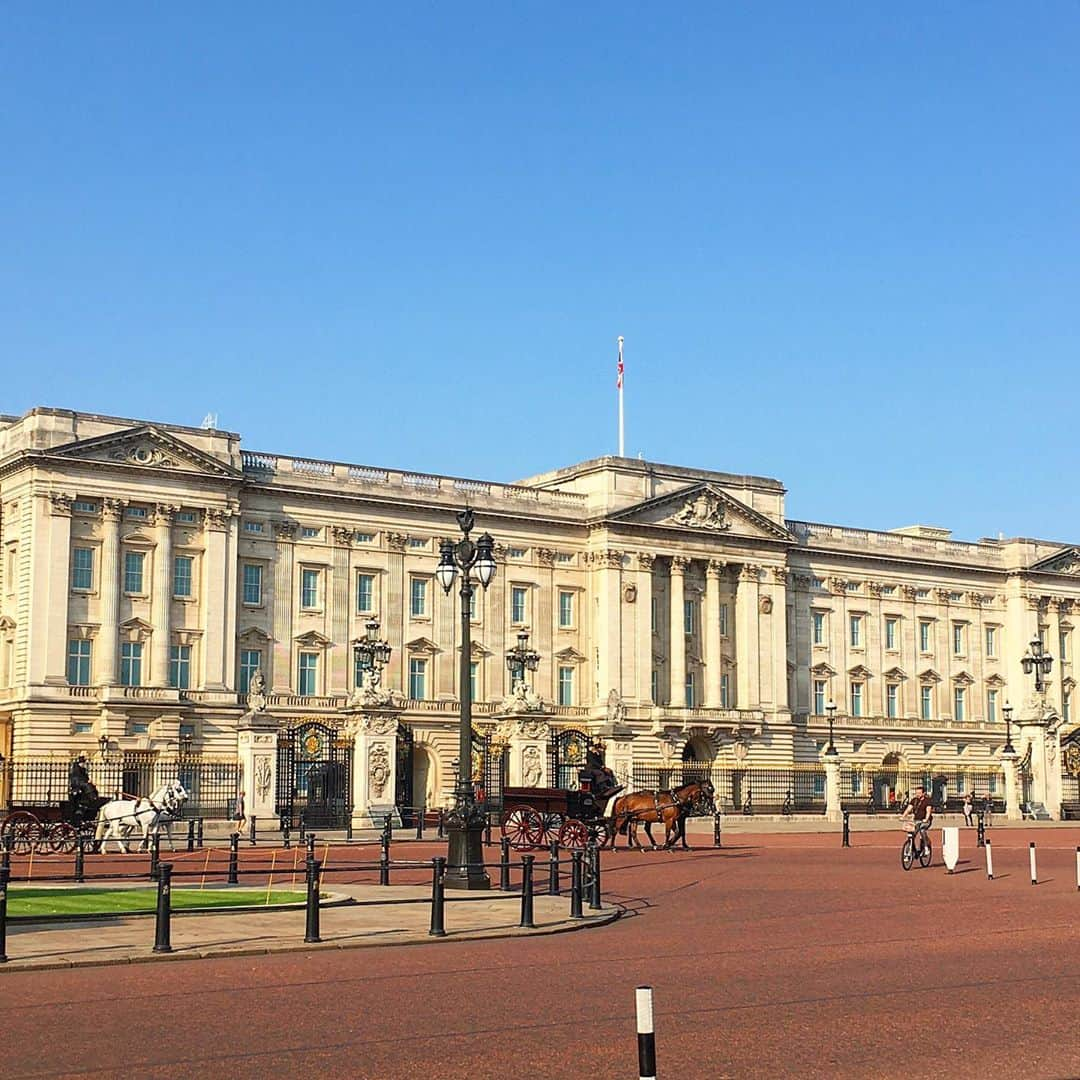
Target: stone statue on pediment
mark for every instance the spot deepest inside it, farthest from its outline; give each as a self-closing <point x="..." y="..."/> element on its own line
<point x="257" y="691"/>
<point x="370" y="694"/>
<point x="523" y="700"/>
<point x="702" y="512"/>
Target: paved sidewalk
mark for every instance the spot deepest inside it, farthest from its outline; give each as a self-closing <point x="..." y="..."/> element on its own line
<point x="395" y="915"/>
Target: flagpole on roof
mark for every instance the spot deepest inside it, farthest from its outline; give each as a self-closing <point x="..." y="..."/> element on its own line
<point x="619" y="383"/>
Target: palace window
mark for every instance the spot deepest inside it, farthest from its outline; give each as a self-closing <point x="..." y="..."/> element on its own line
<point x="517" y="604"/>
<point x="250" y="662"/>
<point x="310" y="532"/>
<point x="958" y="703"/>
<point x="926" y="702"/>
<point x="253" y="527"/>
<point x="924" y="636"/>
<point x="892" y="692"/>
<point x="855" y="624"/>
<point x="819" y="697"/>
<point x="958" y="639"/>
<point x="474" y="680"/>
<point x="182" y="567"/>
<point x="135" y="512"/>
<point x="890" y="633"/>
<point x="78" y="672"/>
<point x="473" y="601"/>
<point x="187" y="517"/>
<point x="308" y="681"/>
<point x="309" y="588"/>
<point x="723" y="620"/>
<point x="991" y="641"/>
<point x="856" y="698"/>
<point x="417" y="678"/>
<point x="252" y="584"/>
<point x="1066" y="706"/>
<point x="991" y="706"/>
<point x="566" y="609"/>
<point x="566" y="686"/>
<point x="365" y="593"/>
<point x="180" y="666"/>
<point x="82" y="568"/>
<point x="818" y="618"/>
<point x="133" y="573"/>
<point x="653" y="681"/>
<point x="689" y="689"/>
<point x="653" y="607"/>
<point x="131" y="663"/>
<point x="84" y="506"/>
<point x="1063" y="646"/>
<point x="725" y="691"/>
<point x="689" y="616"/>
<point x="417" y="597"/>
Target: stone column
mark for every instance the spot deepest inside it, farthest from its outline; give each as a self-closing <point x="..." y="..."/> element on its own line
<point x="256" y="742"/>
<point x="773" y="686"/>
<point x="217" y="599"/>
<point x="340" y="600"/>
<point x="544" y="629"/>
<point x="161" y="600"/>
<point x="714" y="572"/>
<point x="52" y="560"/>
<point x="1012" y="787"/>
<point x="608" y="633"/>
<point x="833" y="810"/>
<point x="395" y="617"/>
<point x="374" y="767"/>
<point x="281" y="675"/>
<point x="677" y="648"/>
<point x="109" y="586"/>
<point x="746" y="637"/>
<point x="644" y="639"/>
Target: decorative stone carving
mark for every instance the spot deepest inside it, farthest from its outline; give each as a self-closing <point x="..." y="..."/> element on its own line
<point x="803" y="581"/>
<point x="284" y="530"/>
<point x="143" y="453"/>
<point x="765" y="605"/>
<point x="215" y="518"/>
<point x="944" y="596"/>
<point x="342" y="537"/>
<point x="545" y="556"/>
<point x="749" y="572"/>
<point x="715" y="568"/>
<point x="704" y="511"/>
<point x="371" y="695"/>
<point x="378" y="769"/>
<point x="740" y="750"/>
<point x="679" y="564"/>
<point x="523" y="700"/>
<point x="257" y="691"/>
<point x="112" y="509"/>
<point x="616" y="710"/>
<point x="263" y="777"/>
<point x="630" y="593"/>
<point x="60" y="504"/>
<point x="874" y="588"/>
<point x="164" y="514"/>
<point x="645" y="560"/>
<point x="532" y="767"/>
<point x="1070" y="759"/>
<point x="837" y="585"/>
<point x="610" y="559"/>
<point x="396" y="541"/>
<point x="909" y="591"/>
<point x="779" y="575"/>
<point x="1066" y="563"/>
<point x="379" y="724"/>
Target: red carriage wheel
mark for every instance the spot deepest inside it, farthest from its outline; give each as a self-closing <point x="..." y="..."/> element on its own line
<point x="523" y="827"/>
<point x="573" y="835"/>
<point x="63" y="838"/>
<point x="22" y="831"/>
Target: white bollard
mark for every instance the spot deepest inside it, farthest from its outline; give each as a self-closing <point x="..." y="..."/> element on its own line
<point x="646" y="1039"/>
<point x="1031" y="859"/>
<point x="989" y="861"/>
<point x="1078" y="869"/>
<point x="950" y="847"/>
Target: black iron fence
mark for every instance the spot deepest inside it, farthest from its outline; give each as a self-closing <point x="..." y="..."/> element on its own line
<point x="869" y="789"/>
<point x="211" y="785"/>
<point x="796" y="789"/>
<point x="1070" y="796"/>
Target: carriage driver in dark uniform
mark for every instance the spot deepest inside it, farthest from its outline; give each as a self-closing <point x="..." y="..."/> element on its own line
<point x="80" y="791"/>
<point x="604" y="784"/>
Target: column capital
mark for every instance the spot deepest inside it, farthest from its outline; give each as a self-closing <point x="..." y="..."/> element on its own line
<point x="680" y="564"/>
<point x="343" y="537"/>
<point x="60" y="503"/>
<point x="749" y="572"/>
<point x="545" y="556"/>
<point x="112" y="509"/>
<point x="396" y="541"/>
<point x="645" y="560"/>
<point x="164" y="513"/>
<point x="217" y="518"/>
<point x="715" y="568"/>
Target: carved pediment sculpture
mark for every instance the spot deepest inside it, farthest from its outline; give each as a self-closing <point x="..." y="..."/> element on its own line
<point x="616" y="710"/>
<point x="703" y="511"/>
<point x="370" y="694"/>
<point x="257" y="691"/>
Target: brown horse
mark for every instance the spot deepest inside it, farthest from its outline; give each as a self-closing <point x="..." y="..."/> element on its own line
<point x="669" y="807"/>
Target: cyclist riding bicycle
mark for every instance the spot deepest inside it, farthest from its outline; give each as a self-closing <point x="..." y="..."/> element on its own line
<point x="920" y="811"/>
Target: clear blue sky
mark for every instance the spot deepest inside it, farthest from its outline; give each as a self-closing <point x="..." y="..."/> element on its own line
<point x="840" y="239"/>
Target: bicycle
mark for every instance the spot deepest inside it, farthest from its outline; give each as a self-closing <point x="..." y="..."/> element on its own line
<point x="908" y="854"/>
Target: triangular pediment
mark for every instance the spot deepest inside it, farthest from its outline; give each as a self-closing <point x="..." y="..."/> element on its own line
<point x="313" y="640"/>
<point x="570" y="656"/>
<point x="823" y="671"/>
<point x="135" y="629"/>
<point x="253" y="634"/>
<point x="422" y="645"/>
<point x="995" y="681"/>
<point x="7" y="622"/>
<point x="702" y="508"/>
<point x="963" y="679"/>
<point x="895" y="673"/>
<point x="860" y="671"/>
<point x="476" y="650"/>
<point x="145" y="447"/>
<point x="1066" y="561"/>
<point x="929" y="676"/>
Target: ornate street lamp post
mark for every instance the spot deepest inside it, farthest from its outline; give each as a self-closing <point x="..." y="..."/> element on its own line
<point x="1007" y="711"/>
<point x="830" y="750"/>
<point x="370" y="653"/>
<point x="521" y="659"/>
<point x="465" y="853"/>
<point x="1038" y="661"/>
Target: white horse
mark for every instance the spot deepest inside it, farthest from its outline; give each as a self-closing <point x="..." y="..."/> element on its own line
<point x="120" y="817"/>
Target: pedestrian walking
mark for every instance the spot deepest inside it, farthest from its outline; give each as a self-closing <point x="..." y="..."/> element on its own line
<point x="969" y="809"/>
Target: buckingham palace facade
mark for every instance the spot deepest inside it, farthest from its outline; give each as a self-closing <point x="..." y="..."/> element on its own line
<point x="150" y="572"/>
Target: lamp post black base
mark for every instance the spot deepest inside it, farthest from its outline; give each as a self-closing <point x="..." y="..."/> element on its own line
<point x="465" y="856"/>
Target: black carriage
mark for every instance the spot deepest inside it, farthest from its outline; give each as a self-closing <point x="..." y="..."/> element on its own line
<point x="57" y="829"/>
<point x="533" y="817"/>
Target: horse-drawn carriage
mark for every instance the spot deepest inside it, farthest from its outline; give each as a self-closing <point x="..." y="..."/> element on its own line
<point x="56" y="828"/>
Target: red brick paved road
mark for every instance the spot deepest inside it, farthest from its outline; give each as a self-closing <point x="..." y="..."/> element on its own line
<point x="777" y="956"/>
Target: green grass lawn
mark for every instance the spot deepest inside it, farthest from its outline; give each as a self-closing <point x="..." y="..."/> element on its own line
<point x="90" y="901"/>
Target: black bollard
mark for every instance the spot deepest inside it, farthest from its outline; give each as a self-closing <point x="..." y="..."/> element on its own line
<point x="155" y="855"/>
<point x="251" y="829"/>
<point x="162" y="925"/>
<point x="527" y="892"/>
<point x="309" y="839"/>
<point x="234" y="859"/>
<point x="311" y="934"/>
<point x="980" y="832"/>
<point x="420" y="824"/>
<point x="80" y="855"/>
<point x="199" y="834"/>
<point x="487" y="831"/>
<point x="716" y="831"/>
<point x="5" y="853"/>
<point x="384" y="855"/>
<point x="438" y="898"/>
<point x="5" y="878"/>
<point x="191" y="834"/>
<point x="553" y="870"/>
<point x="575" y="885"/>
<point x="594" y="891"/>
<point x="846" y="842"/>
<point x="302" y="828"/>
<point x="504" y="865"/>
<point x="442" y="824"/>
<point x="286" y="838"/>
<point x="348" y="831"/>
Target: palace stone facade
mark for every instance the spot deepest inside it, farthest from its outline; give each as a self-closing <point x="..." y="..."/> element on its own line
<point x="149" y="569"/>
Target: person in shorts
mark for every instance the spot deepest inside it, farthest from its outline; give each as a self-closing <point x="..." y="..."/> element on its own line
<point x="921" y="811"/>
